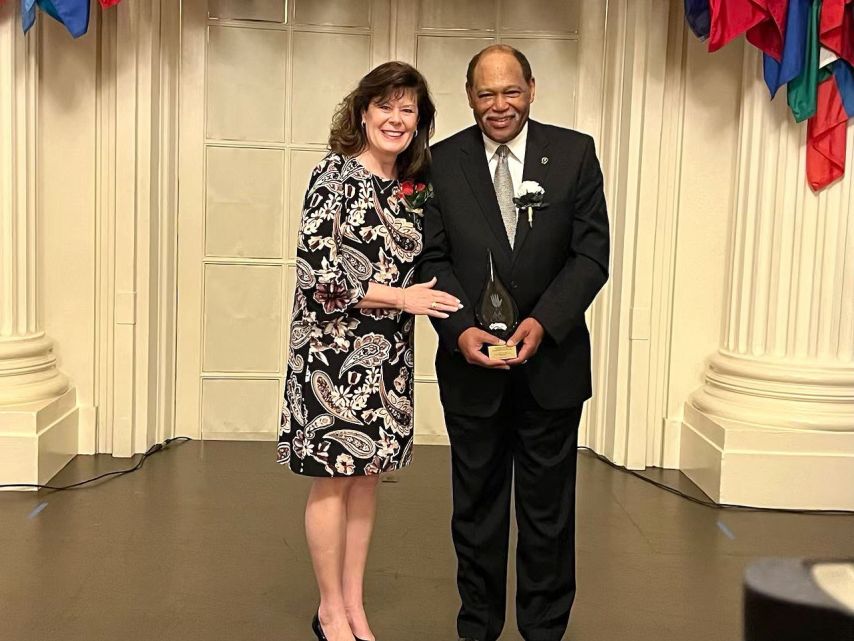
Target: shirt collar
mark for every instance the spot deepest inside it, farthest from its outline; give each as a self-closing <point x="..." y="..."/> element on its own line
<point x="516" y="146"/>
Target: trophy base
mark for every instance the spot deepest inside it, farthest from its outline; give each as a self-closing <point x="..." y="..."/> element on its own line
<point x="501" y="352"/>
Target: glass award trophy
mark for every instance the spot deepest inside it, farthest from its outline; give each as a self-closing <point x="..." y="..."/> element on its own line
<point x="496" y="313"/>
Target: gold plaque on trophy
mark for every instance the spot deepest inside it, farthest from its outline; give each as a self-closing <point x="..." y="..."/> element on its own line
<point x="503" y="352"/>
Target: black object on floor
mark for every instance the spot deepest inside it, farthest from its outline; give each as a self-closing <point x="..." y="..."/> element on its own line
<point x="783" y="602"/>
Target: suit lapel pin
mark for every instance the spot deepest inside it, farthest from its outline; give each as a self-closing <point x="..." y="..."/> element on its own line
<point x="544" y="160"/>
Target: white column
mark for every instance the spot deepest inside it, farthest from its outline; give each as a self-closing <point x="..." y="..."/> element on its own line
<point x="37" y="404"/>
<point x="773" y="424"/>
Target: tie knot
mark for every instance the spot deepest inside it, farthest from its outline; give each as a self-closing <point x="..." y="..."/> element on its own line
<point x="503" y="151"/>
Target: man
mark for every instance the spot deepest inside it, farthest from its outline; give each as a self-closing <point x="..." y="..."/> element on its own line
<point x="515" y="418"/>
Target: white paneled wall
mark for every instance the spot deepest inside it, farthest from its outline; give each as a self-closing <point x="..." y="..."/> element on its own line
<point x="263" y="79"/>
<point x="244" y="201"/>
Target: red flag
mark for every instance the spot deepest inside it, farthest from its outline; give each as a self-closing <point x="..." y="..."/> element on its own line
<point x="769" y="35"/>
<point x="837" y="28"/>
<point x="764" y="22"/>
<point x="826" y="137"/>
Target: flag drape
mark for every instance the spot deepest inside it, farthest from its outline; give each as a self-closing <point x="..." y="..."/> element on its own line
<point x="808" y="46"/>
<point x="826" y="136"/>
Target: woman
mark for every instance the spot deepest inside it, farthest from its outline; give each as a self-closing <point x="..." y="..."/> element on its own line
<point x="348" y="413"/>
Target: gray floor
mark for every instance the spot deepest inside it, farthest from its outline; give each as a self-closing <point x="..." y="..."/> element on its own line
<point x="206" y="543"/>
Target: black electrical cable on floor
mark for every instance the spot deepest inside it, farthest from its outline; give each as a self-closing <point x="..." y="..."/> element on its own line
<point x="709" y="503"/>
<point x="157" y="447"/>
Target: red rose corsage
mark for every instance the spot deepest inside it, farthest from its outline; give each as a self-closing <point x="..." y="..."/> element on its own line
<point x="414" y="195"/>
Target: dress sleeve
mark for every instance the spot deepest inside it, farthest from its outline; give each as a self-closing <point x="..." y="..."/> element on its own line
<point x="329" y="282"/>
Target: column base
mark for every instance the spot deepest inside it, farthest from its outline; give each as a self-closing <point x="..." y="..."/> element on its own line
<point x="745" y="463"/>
<point x="38" y="439"/>
<point x="28" y="370"/>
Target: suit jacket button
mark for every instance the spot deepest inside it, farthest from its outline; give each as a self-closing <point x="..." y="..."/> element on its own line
<point x="513" y="285"/>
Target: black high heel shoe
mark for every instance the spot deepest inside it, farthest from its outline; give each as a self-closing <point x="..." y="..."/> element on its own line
<point x="315" y="627"/>
<point x="318" y="630"/>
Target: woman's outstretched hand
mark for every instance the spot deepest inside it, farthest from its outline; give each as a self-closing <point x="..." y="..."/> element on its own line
<point x="423" y="299"/>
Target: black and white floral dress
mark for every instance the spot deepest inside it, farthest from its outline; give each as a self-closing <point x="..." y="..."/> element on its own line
<point x="348" y="406"/>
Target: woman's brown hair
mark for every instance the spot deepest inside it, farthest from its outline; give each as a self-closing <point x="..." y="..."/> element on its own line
<point x="389" y="80"/>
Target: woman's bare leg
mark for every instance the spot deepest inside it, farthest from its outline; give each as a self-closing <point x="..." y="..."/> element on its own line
<point x="326" y="533"/>
<point x="361" y="508"/>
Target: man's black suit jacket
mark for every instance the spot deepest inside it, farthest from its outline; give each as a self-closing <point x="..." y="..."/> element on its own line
<point x="554" y="271"/>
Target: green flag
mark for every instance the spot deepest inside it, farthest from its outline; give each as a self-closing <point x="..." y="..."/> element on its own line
<point x="803" y="90"/>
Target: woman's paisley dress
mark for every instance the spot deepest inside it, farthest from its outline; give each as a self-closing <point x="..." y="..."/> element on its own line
<point x="348" y="397"/>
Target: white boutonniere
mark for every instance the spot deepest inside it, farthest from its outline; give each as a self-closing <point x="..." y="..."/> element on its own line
<point x="530" y="196"/>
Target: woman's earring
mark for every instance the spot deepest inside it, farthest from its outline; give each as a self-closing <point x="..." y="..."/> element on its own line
<point x="416" y="134"/>
<point x="363" y="124"/>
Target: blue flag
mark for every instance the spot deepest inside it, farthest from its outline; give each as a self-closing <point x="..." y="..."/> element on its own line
<point x="73" y="14"/>
<point x="844" y="75"/>
<point x="697" y="15"/>
<point x="790" y="66"/>
<point x="28" y="14"/>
